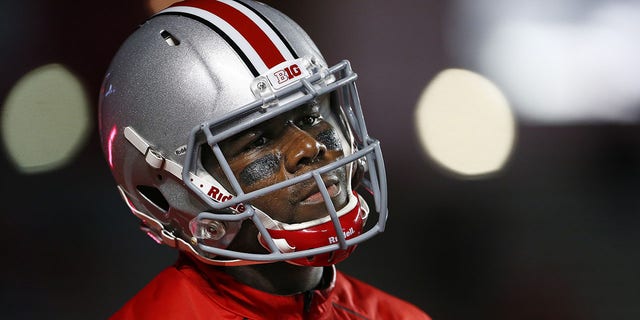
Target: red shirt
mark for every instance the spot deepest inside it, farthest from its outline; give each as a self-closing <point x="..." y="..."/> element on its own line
<point x="181" y="292"/>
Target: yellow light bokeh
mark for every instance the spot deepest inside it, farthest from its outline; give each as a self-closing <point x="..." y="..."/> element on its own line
<point x="465" y="124"/>
<point x="45" y="119"/>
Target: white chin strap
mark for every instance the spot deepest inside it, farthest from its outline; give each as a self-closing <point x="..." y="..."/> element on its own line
<point x="273" y="224"/>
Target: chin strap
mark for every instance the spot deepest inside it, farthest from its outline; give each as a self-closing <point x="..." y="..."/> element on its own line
<point x="272" y="224"/>
<point x="320" y="233"/>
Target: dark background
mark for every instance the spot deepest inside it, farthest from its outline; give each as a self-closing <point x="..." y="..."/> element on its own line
<point x="552" y="236"/>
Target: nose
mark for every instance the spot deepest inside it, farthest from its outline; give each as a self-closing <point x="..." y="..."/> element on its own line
<point x="300" y="148"/>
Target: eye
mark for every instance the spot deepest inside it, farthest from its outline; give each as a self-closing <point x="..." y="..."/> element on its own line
<point x="257" y="143"/>
<point x="309" y="120"/>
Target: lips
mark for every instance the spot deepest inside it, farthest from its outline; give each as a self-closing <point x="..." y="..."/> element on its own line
<point x="316" y="197"/>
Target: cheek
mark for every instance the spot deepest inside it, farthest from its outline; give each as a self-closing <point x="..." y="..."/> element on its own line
<point x="260" y="169"/>
<point x="330" y="139"/>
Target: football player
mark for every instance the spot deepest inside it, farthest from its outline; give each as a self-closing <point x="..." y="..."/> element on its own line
<point x="232" y="140"/>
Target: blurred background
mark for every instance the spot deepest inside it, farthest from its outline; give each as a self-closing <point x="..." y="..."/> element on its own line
<point x="510" y="131"/>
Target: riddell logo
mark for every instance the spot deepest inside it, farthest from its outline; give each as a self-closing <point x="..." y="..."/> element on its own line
<point x="218" y="195"/>
<point x="287" y="73"/>
<point x="347" y="234"/>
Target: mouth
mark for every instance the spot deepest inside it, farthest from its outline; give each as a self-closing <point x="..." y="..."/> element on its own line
<point x="316" y="197"/>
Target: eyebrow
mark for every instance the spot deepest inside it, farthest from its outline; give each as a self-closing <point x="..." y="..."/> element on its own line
<point x="234" y="144"/>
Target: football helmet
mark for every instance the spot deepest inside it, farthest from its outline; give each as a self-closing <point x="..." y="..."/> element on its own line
<point x="202" y="72"/>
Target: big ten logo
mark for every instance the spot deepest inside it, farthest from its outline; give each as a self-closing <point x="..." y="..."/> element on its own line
<point x="287" y="73"/>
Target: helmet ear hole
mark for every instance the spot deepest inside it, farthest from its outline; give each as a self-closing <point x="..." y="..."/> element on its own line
<point x="153" y="195"/>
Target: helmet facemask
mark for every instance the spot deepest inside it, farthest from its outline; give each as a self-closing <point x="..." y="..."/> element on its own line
<point x="304" y="209"/>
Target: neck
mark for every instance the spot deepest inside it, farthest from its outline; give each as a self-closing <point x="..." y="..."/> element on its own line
<point x="278" y="278"/>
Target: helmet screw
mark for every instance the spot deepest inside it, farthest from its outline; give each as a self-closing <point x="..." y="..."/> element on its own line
<point x="262" y="86"/>
<point x="215" y="230"/>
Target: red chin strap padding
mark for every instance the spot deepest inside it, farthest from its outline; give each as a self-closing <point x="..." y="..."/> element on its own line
<point x="320" y="235"/>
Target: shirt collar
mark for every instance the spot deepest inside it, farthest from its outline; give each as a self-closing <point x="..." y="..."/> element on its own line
<point x="253" y="303"/>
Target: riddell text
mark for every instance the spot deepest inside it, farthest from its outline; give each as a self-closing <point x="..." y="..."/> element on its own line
<point x="347" y="234"/>
<point x="220" y="196"/>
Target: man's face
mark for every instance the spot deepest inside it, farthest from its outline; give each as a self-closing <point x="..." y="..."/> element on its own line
<point x="289" y="145"/>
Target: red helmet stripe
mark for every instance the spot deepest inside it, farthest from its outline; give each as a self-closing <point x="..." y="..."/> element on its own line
<point x="249" y="32"/>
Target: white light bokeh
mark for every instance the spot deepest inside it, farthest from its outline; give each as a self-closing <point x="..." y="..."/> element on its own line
<point x="558" y="61"/>
<point x="45" y="119"/>
<point x="465" y="124"/>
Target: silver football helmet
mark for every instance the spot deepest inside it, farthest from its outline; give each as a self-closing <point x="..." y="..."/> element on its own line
<point x="202" y="72"/>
